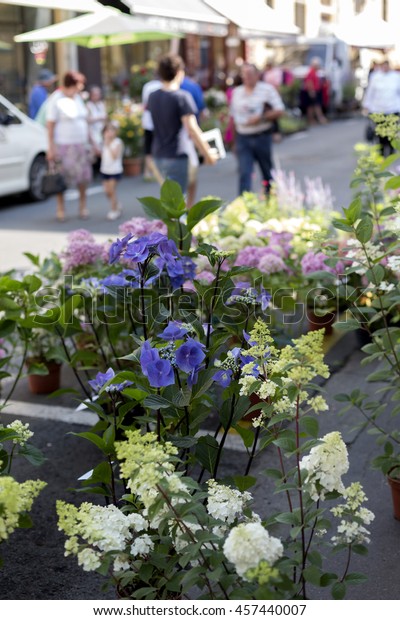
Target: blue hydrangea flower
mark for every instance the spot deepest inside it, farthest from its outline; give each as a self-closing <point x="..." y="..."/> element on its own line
<point x="223" y="377"/>
<point x="101" y="379"/>
<point x="148" y="355"/>
<point x="173" y="331"/>
<point x="188" y="272"/>
<point x="190" y="355"/>
<point x="160" y="373"/>
<point x="118" y="247"/>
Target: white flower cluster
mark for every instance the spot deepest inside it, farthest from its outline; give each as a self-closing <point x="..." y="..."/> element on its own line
<point x="394" y="263"/>
<point x="355" y="253"/>
<point x="325" y="466"/>
<point x="22" y="430"/>
<point x="104" y="529"/>
<point x="15" y="499"/>
<point x="248" y="544"/>
<point x="353" y="517"/>
<point x="146" y="465"/>
<point x="225" y="503"/>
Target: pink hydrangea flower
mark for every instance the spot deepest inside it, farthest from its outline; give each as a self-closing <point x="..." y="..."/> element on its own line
<point x="82" y="249"/>
<point x="140" y="227"/>
<point x="315" y="261"/>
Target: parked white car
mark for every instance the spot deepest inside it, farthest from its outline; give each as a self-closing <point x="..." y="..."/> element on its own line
<point x="23" y="145"/>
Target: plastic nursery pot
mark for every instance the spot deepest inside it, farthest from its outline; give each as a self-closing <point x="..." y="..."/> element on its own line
<point x="318" y="321"/>
<point x="46" y="384"/>
<point x="394" y="484"/>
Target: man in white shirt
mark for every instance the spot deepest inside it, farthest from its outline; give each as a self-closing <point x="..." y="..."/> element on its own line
<point x="383" y="97"/>
<point x="255" y="105"/>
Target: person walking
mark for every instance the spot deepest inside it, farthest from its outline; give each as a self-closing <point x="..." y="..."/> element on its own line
<point x="69" y="139"/>
<point x="111" y="167"/>
<point x="40" y="91"/>
<point x="194" y="89"/>
<point x="383" y="97"/>
<point x="97" y="118"/>
<point x="313" y="93"/>
<point x="150" y="172"/>
<point x="176" y="131"/>
<point x="255" y="106"/>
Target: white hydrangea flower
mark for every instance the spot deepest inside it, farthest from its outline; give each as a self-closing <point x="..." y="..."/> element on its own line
<point x="142" y="545"/>
<point x="318" y="403"/>
<point x="23" y="431"/>
<point x="386" y="287"/>
<point x="267" y="389"/>
<point x="325" y="465"/>
<point x="89" y="559"/>
<point x="394" y="263"/>
<point x="225" y="503"/>
<point x="353" y="517"/>
<point x="120" y="563"/>
<point x="250" y="543"/>
<point x="246" y="382"/>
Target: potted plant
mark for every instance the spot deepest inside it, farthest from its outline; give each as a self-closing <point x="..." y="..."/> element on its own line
<point x="393" y="478"/>
<point x="131" y="133"/>
<point x="321" y="292"/>
<point x="43" y="362"/>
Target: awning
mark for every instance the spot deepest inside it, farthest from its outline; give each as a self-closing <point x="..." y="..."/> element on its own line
<point x="80" y="6"/>
<point x="254" y="18"/>
<point x="186" y="17"/>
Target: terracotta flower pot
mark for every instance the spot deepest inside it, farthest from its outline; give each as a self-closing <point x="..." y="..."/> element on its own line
<point x="318" y="321"/>
<point x="255" y="400"/>
<point x="132" y="166"/>
<point x="46" y="384"/>
<point x="394" y="484"/>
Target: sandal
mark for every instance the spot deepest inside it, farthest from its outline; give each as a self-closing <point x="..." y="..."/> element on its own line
<point x="61" y="218"/>
<point x="84" y="215"/>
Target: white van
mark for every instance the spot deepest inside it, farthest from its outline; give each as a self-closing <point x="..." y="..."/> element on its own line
<point x="23" y="145"/>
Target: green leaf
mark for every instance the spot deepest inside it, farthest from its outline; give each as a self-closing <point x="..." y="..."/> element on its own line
<point x="244" y="482"/>
<point x="313" y="575"/>
<point x="354" y="211"/>
<point x="153" y="208"/>
<point x="342" y="225"/>
<point x="393" y="183"/>
<point x="311" y="425"/>
<point x="338" y="591"/>
<point x="246" y="434"/>
<point x="172" y="198"/>
<point x="355" y="578"/>
<point x="207" y="451"/>
<point x="32" y="282"/>
<point x="32" y="454"/>
<point x="201" y="209"/>
<point x="157" y="402"/>
<point x="364" y="230"/>
<point x="93" y="438"/>
<point x="327" y="579"/>
<point x="6" y="327"/>
<point x="34" y="259"/>
<point x="376" y="274"/>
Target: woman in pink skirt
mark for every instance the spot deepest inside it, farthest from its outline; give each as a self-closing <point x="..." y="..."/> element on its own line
<point x="69" y="139"/>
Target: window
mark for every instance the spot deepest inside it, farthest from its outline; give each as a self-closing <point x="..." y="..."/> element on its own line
<point x="300" y="16"/>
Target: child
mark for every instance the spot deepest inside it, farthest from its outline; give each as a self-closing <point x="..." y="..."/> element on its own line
<point x="111" y="167"/>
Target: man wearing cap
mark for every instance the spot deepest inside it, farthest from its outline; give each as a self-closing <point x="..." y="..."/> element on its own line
<point x="40" y="91"/>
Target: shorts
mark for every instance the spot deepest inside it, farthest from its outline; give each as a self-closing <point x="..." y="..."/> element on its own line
<point x="148" y="141"/>
<point x="109" y="177"/>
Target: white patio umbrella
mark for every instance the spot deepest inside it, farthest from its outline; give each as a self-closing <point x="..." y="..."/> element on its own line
<point x="103" y="28"/>
<point x="79" y="6"/>
<point x="369" y="30"/>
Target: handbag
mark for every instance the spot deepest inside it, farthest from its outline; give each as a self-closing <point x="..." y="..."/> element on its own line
<point x="370" y="130"/>
<point x="53" y="182"/>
